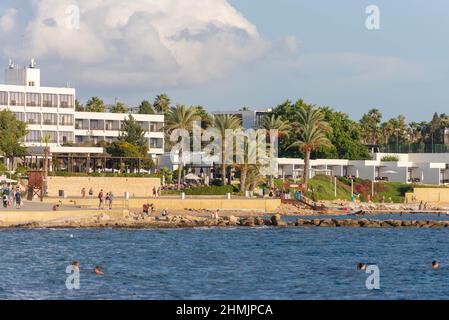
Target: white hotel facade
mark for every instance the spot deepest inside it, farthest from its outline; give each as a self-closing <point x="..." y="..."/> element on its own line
<point x="51" y="111"/>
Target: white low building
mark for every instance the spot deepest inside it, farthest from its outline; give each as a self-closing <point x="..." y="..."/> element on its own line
<point x="50" y="111"/>
<point x="427" y="168"/>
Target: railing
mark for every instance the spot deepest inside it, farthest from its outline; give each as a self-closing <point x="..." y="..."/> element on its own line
<point x="415" y="148"/>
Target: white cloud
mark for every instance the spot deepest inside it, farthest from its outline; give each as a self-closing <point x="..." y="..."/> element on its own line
<point x="144" y="43"/>
<point x="7" y="20"/>
<point x="291" y="43"/>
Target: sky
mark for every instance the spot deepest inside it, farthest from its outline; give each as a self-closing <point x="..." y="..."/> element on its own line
<point x="229" y="54"/>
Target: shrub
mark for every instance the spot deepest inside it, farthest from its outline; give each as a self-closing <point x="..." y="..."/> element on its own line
<point x="203" y="191"/>
<point x="390" y="157"/>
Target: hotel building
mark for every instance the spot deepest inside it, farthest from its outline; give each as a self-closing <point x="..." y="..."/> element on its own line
<point x="51" y="111"/>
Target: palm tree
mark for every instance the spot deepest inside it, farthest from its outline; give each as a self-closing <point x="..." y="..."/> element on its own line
<point x="223" y="122"/>
<point x="162" y="103"/>
<point x="313" y="132"/>
<point x="180" y="117"/>
<point x="46" y="140"/>
<point x="275" y="123"/>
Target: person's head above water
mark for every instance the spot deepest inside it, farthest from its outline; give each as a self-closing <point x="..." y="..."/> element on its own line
<point x="75" y="264"/>
<point x="98" y="270"/>
<point x="435" y="264"/>
<point x="361" y="266"/>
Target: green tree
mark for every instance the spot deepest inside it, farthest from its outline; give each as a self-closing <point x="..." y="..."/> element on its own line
<point x="162" y="103"/>
<point x="370" y="123"/>
<point x="346" y="137"/>
<point x="46" y="140"/>
<point x="145" y="107"/>
<point x="205" y="118"/>
<point x="12" y="133"/>
<point x="119" y="107"/>
<point x="133" y="133"/>
<point x="313" y="132"/>
<point x="223" y="122"/>
<point x="78" y="106"/>
<point x="95" y="104"/>
<point x="283" y="127"/>
<point x="180" y="118"/>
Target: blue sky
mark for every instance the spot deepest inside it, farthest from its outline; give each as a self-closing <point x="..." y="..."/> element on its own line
<point x="317" y="50"/>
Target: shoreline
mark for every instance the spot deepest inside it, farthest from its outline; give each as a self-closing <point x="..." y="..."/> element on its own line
<point x="135" y="222"/>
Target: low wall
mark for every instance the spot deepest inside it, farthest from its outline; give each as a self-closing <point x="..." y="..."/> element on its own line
<point x="436" y="195"/>
<point x="22" y="217"/>
<point x="137" y="187"/>
<point x="265" y="205"/>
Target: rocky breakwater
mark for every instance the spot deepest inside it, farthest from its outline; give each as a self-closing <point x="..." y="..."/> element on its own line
<point x="364" y="223"/>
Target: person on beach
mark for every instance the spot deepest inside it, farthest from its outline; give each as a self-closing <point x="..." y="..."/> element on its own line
<point x="18" y="199"/>
<point x="98" y="271"/>
<point x="83" y="193"/>
<point x="111" y="199"/>
<point x="420" y="206"/>
<point x="101" y="200"/>
<point x="165" y="213"/>
<point x="435" y="265"/>
<point x="361" y="266"/>
<point x="154" y="192"/>
<point x="107" y="199"/>
<point x="91" y="193"/>
<point x="5" y="200"/>
<point x="158" y="192"/>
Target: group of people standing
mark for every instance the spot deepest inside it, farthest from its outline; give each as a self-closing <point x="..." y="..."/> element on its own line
<point x="11" y="196"/>
<point x="104" y="200"/>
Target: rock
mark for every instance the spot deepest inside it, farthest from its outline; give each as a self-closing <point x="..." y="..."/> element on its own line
<point x="276" y="220"/>
<point x="407" y="224"/>
<point x="259" y="221"/>
<point x="373" y="224"/>
<point x="363" y="223"/>
<point x="248" y="222"/>
<point x="328" y="223"/>
<point x="233" y="220"/>
<point x="300" y="222"/>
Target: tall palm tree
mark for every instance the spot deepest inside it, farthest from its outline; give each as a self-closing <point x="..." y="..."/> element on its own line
<point x="162" y="103"/>
<point x="275" y="123"/>
<point x="180" y="117"/>
<point x="312" y="135"/>
<point x="46" y="140"/>
<point x="223" y="122"/>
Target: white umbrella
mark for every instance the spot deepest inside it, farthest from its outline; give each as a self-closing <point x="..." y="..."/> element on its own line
<point x="192" y="176"/>
<point x="390" y="172"/>
<point x="4" y="179"/>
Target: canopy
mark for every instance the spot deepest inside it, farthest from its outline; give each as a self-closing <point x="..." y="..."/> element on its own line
<point x="4" y="179"/>
<point x="390" y="172"/>
<point x="192" y="176"/>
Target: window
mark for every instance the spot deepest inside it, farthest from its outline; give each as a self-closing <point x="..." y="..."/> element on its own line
<point x="65" y="137"/>
<point x="49" y="100"/>
<point x="156" y="143"/>
<point x="20" y="116"/>
<point x="31" y="83"/>
<point x="16" y="99"/>
<point x="3" y="98"/>
<point x="33" y="136"/>
<point x="33" y="118"/>
<point x="33" y="100"/>
<point x="65" y="119"/>
<point x="52" y="134"/>
<point x="95" y="125"/>
<point x="66" y="101"/>
<point x="156" y="126"/>
<point x="49" y="119"/>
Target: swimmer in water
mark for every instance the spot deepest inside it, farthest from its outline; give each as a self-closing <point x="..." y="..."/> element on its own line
<point x="98" y="271"/>
<point x="76" y="265"/>
<point x="435" y="265"/>
<point x="361" y="266"/>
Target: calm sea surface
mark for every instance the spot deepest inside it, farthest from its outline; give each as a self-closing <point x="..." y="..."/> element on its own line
<point x="265" y="263"/>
